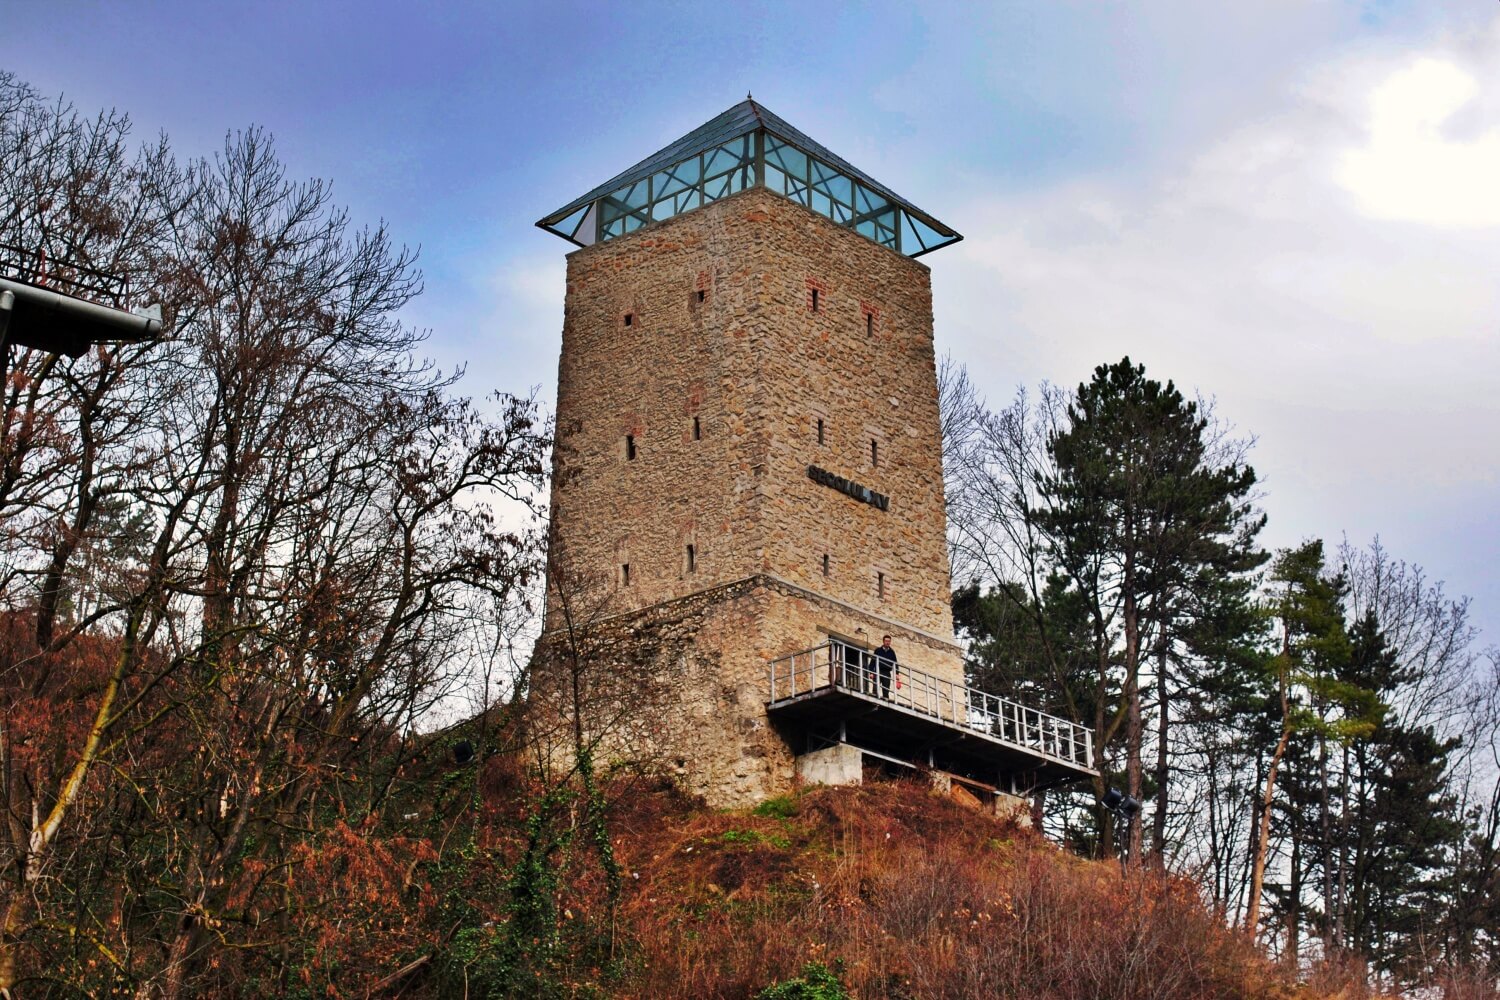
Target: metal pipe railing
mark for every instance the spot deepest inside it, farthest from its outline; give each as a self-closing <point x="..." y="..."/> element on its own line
<point x="839" y="664"/>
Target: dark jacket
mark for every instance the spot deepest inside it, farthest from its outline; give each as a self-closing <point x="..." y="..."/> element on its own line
<point x="886" y="655"/>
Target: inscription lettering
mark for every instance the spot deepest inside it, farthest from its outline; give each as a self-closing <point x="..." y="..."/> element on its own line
<point x="849" y="488"/>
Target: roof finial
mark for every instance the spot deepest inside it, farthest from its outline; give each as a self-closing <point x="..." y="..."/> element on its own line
<point x="748" y="97"/>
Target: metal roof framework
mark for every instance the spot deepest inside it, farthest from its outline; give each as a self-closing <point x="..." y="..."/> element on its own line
<point x="748" y="146"/>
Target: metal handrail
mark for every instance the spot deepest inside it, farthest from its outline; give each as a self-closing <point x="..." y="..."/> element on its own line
<point x="63" y="275"/>
<point x="838" y="664"/>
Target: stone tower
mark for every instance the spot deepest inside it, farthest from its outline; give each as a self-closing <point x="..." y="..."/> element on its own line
<point x="748" y="453"/>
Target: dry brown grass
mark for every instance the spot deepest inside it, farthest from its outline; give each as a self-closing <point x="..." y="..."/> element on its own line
<point x="916" y="897"/>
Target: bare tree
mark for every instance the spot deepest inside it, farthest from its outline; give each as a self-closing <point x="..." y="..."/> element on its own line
<point x="239" y="565"/>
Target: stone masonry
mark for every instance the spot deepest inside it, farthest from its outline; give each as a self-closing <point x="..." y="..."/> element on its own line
<point x="707" y="362"/>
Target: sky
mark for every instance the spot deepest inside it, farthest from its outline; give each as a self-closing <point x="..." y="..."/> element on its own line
<point x="1290" y="206"/>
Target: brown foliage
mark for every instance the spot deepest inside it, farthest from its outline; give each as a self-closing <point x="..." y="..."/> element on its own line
<point x="916" y="897"/>
<point x="362" y="908"/>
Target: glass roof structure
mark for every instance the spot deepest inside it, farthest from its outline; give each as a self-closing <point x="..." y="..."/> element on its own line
<point x="747" y="146"/>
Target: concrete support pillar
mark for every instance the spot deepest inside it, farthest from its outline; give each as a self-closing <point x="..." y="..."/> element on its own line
<point x="840" y="764"/>
<point x="1013" y="807"/>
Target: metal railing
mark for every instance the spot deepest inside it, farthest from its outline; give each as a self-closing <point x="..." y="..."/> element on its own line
<point x="61" y="273"/>
<point x="836" y="664"/>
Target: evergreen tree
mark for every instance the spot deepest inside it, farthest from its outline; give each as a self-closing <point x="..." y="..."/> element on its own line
<point x="1402" y="827"/>
<point x="1010" y="640"/>
<point x="1313" y="699"/>
<point x="1137" y="506"/>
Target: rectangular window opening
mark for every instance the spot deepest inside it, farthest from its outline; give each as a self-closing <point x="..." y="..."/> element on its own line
<point x="869" y="324"/>
<point x="702" y="295"/>
<point x="825" y="564"/>
<point x="625" y="574"/>
<point x="630" y="447"/>
<point x="692" y="559"/>
<point x="814" y="300"/>
<point x="874" y="452"/>
<point x="820" y="430"/>
<point x="630" y="319"/>
<point x="880" y="585"/>
<point x="697" y="430"/>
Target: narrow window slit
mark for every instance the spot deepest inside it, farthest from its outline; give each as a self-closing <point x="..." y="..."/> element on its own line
<point x="814" y="300"/>
<point x="630" y="447"/>
<point x="630" y="319"/>
<point x="825" y="564"/>
<point x="874" y="452"/>
<point x="820" y="430"/>
<point x="869" y="324"/>
<point x="702" y="295"/>
<point x="625" y="573"/>
<point x="880" y="585"/>
<point x="697" y="430"/>
<point x="692" y="559"/>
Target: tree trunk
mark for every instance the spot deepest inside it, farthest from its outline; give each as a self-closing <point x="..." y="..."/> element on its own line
<point x="1294" y="904"/>
<point x="1163" y="770"/>
<point x="1263" y="840"/>
<point x="1325" y="846"/>
<point x="1133" y="727"/>
<point x="1343" y="883"/>
<point x="1105" y="818"/>
<point x="44" y="831"/>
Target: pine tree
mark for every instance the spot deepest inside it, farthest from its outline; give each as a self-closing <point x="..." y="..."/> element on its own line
<point x="1137" y="507"/>
<point x="1402" y="823"/>
<point x="1313" y="697"/>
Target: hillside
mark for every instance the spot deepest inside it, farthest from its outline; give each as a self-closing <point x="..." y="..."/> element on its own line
<point x="898" y="892"/>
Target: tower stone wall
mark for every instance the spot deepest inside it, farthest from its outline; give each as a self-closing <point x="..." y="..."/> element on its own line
<point x="761" y="321"/>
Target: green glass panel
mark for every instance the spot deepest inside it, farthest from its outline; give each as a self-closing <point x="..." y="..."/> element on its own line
<point x="910" y="241"/>
<point x="776" y="180"/>
<point x="675" y="178"/>
<point x="726" y="157"/>
<point x="866" y="201"/>
<point x="789" y="158"/>
<point x="739" y="179"/>
<point x="841" y="213"/>
<point x="726" y="184"/>
<point x="569" y="226"/>
<point x="662" y="184"/>
<point x="931" y="238"/>
<point x="664" y="209"/>
<point x="716" y="188"/>
<point x="832" y="183"/>
<point x="820" y="203"/>
<point x="633" y="196"/>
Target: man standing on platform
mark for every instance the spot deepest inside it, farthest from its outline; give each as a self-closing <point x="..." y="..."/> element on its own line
<point x="885" y="665"/>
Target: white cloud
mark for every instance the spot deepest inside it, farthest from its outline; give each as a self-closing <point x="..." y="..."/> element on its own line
<point x="1410" y="170"/>
<point x="1362" y="349"/>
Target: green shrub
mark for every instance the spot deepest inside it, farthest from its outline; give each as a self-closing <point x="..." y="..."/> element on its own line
<point x="817" y="982"/>
<point x="781" y="807"/>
